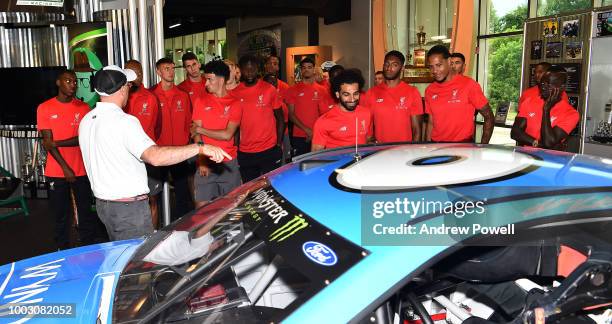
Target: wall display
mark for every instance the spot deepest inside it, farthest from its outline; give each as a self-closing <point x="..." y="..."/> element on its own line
<point x="604" y="24"/>
<point x="536" y="49"/>
<point x="261" y="42"/>
<point x="573" y="50"/>
<point x="293" y="56"/>
<point x="532" y="80"/>
<point x="574" y="73"/>
<point x="550" y="28"/>
<point x="553" y="49"/>
<point x="571" y="28"/>
<point x="88" y="47"/>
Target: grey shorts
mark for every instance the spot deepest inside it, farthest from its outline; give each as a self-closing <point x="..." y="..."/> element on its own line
<point x="125" y="220"/>
<point x="222" y="178"/>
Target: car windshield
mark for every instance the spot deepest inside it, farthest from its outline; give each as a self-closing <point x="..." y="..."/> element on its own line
<point x="249" y="256"/>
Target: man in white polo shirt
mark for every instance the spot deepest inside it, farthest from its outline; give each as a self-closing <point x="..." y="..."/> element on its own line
<point x="115" y="147"/>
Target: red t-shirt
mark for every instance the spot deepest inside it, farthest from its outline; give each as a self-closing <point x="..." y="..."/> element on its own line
<point x="175" y="108"/>
<point x="63" y="120"/>
<point x="192" y="88"/>
<point x="562" y="115"/>
<point x="391" y="111"/>
<point x="143" y="105"/>
<point x="309" y="102"/>
<point x="327" y="86"/>
<point x="337" y="127"/>
<point x="257" y="125"/>
<point x="215" y="113"/>
<point x="452" y="105"/>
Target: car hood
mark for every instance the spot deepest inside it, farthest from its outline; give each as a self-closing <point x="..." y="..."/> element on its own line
<point x="333" y="188"/>
<point x="83" y="279"/>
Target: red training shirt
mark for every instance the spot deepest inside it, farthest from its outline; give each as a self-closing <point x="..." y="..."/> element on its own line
<point x="143" y="105"/>
<point x="452" y="105"/>
<point x="562" y="115"/>
<point x="175" y="108"/>
<point x="215" y="113"/>
<point x="193" y="88"/>
<point x="258" y="124"/>
<point x="392" y="109"/>
<point x="337" y="127"/>
<point x="309" y="103"/>
<point x="63" y="120"/>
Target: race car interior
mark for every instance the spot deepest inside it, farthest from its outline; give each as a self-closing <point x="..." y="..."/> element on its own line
<point x="564" y="278"/>
<point x="244" y="268"/>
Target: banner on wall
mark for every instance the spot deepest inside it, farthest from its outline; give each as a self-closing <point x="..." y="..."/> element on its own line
<point x="261" y="42"/>
<point x="88" y="54"/>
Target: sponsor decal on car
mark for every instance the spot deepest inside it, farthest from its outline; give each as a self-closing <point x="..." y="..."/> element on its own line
<point x="320" y="253"/>
<point x="290" y="228"/>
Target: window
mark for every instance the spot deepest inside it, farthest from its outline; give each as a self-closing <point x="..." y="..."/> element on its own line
<point x="500" y="59"/>
<point x="553" y="7"/>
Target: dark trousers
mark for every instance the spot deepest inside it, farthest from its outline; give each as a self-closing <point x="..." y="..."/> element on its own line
<point x="125" y="220"/>
<point x="91" y="229"/>
<point x="300" y="145"/>
<point x="182" y="198"/>
<point x="252" y="165"/>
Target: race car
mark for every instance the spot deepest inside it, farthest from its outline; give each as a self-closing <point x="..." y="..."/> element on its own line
<point x="421" y="233"/>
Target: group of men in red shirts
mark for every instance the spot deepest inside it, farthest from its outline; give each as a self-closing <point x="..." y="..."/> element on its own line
<point x="247" y="118"/>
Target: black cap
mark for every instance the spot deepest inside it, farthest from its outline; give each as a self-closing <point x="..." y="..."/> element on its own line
<point x="111" y="78"/>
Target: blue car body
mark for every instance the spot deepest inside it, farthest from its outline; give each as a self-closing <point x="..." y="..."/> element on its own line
<point x="87" y="277"/>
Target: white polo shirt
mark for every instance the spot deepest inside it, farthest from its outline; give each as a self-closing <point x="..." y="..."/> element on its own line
<point x="112" y="143"/>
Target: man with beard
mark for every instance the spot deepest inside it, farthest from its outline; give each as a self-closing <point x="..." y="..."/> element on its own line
<point x="396" y="106"/>
<point x="143" y="105"/>
<point x="216" y="117"/>
<point x="193" y="84"/>
<point x="58" y="122"/>
<point x="175" y="111"/>
<point x="451" y="102"/>
<point x="546" y="120"/>
<point x="346" y="123"/>
<point x="261" y="124"/>
<point x="306" y="100"/>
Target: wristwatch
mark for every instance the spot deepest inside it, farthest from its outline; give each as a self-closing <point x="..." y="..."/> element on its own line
<point x="535" y="143"/>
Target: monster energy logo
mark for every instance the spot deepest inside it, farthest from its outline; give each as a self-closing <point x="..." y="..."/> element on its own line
<point x="286" y="231"/>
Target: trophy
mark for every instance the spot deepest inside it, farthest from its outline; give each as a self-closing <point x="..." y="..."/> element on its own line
<point x="419" y="53"/>
<point x="421" y="37"/>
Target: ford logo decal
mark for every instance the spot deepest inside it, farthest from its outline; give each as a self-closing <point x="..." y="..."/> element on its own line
<point x="320" y="253"/>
